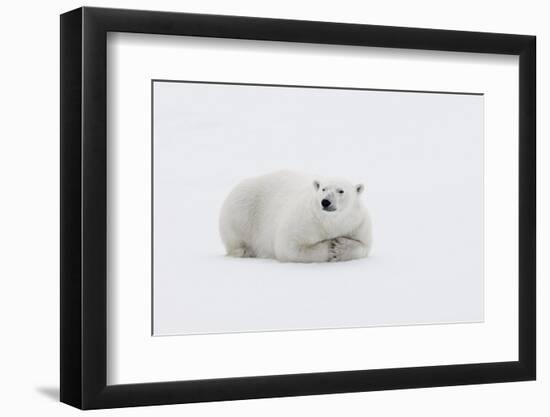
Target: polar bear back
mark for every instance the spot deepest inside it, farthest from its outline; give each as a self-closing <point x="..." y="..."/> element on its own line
<point x="254" y="209"/>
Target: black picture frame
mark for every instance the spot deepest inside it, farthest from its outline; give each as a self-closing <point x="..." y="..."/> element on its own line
<point x="84" y="208"/>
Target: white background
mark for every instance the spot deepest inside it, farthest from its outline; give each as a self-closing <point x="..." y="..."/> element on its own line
<point x="420" y="155"/>
<point x="29" y="165"/>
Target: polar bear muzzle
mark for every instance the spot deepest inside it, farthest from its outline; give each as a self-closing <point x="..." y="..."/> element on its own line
<point x="327" y="205"/>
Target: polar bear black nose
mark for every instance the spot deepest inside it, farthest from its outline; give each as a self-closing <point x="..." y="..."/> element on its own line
<point x="325" y="203"/>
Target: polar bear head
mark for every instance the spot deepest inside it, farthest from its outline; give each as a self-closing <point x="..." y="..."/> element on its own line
<point x="334" y="195"/>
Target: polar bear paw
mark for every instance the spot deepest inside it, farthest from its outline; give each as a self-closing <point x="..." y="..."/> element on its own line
<point x="241" y="252"/>
<point x="341" y="248"/>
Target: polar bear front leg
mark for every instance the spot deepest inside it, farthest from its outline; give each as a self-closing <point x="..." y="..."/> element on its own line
<point x="346" y="249"/>
<point x="356" y="245"/>
<point x="318" y="252"/>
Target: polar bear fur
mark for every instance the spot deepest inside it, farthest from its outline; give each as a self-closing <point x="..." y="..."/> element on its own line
<point x="294" y="217"/>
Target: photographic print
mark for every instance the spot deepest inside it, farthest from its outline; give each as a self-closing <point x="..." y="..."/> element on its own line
<point x="259" y="208"/>
<point x="299" y="207"/>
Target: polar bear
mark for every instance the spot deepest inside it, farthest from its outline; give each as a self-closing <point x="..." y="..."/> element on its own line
<point x="294" y="217"/>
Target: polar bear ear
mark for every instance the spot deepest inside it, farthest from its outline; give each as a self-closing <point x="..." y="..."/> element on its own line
<point x="359" y="188"/>
<point x="316" y="185"/>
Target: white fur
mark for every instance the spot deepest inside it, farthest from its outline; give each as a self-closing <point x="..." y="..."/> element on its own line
<point x="280" y="216"/>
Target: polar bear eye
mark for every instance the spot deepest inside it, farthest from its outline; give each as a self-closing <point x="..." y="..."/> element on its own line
<point x="324" y="189"/>
<point x="340" y="191"/>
